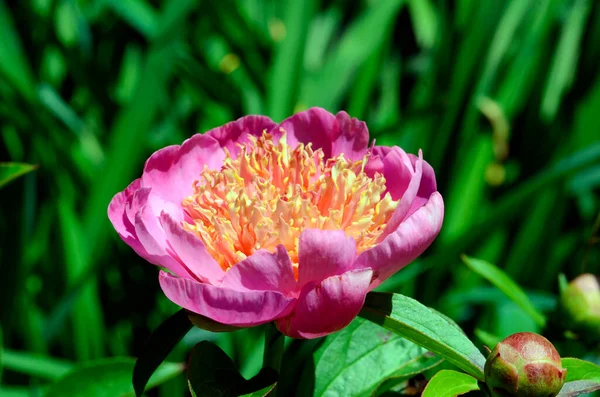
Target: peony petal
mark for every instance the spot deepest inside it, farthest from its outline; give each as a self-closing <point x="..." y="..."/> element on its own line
<point x="156" y="169"/>
<point x="324" y="253"/>
<point x="263" y="271"/>
<point x="172" y="171"/>
<point x="328" y="306"/>
<point x="399" y="173"/>
<point x="135" y="202"/>
<point x="408" y="195"/>
<point x="195" y="153"/>
<point x="333" y="134"/>
<point x="239" y="308"/>
<point x="232" y="134"/>
<point x="153" y="240"/>
<point x="117" y="213"/>
<point x="352" y="138"/>
<point x="121" y="214"/>
<point x="190" y="251"/>
<point x="374" y="165"/>
<point x="428" y="184"/>
<point x="383" y="151"/>
<point x="375" y="160"/>
<point x="406" y="243"/>
<point x="314" y="125"/>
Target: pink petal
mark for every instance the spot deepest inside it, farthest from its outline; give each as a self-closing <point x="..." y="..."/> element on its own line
<point x="239" y="308"/>
<point x="157" y="167"/>
<point x="374" y="164"/>
<point x="399" y="173"/>
<point x="428" y="183"/>
<point x="136" y="201"/>
<point x="328" y="306"/>
<point x="333" y="134"/>
<point x="383" y="151"/>
<point x="153" y="240"/>
<point x="324" y="253"/>
<point x="171" y="171"/>
<point x="406" y="243"/>
<point x="263" y="271"/>
<point x="314" y="125"/>
<point x="409" y="194"/>
<point x="121" y="212"/>
<point x="190" y="251"/>
<point x="194" y="154"/>
<point x="232" y="134"/>
<point x="352" y="138"/>
<point x="117" y="215"/>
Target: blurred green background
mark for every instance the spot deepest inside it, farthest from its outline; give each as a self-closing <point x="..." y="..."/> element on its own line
<point x="502" y="96"/>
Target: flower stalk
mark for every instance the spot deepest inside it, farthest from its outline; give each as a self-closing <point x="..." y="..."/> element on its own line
<point x="273" y="353"/>
<point x="273" y="347"/>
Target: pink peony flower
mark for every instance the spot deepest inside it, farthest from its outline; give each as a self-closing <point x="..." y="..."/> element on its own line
<point x="293" y="223"/>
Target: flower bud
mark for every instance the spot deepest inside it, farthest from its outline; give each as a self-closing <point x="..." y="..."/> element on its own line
<point x="524" y="365"/>
<point x="580" y="306"/>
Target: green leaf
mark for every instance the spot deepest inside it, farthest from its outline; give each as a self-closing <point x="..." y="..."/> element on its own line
<point x="505" y="284"/>
<point x="563" y="283"/>
<point x="266" y="391"/>
<point x="577" y="387"/>
<point x="580" y="369"/>
<point x="366" y="81"/>
<point x="10" y="171"/>
<point x="211" y="373"/>
<point x="467" y="190"/>
<point x="35" y="364"/>
<point x="361" y="39"/>
<point x="14" y="64"/>
<point x="582" y="377"/>
<point x="86" y="317"/>
<point x="490" y="340"/>
<point x="358" y="359"/>
<point x="158" y="347"/>
<point x="564" y="64"/>
<point x="138" y="13"/>
<point x="14" y="391"/>
<point x="65" y="21"/>
<point x="448" y="383"/>
<point x="1" y="353"/>
<point x="287" y="61"/>
<point x="107" y="378"/>
<point x="417" y="323"/>
<point x="423" y="16"/>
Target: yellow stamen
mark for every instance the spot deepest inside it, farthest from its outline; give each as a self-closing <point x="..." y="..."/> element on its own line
<point x="271" y="192"/>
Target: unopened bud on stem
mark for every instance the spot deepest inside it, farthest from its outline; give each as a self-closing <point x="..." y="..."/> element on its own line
<point x="524" y="365"/>
<point x="580" y="306"/>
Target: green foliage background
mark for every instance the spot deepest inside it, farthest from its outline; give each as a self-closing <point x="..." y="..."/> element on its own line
<point x="503" y="97"/>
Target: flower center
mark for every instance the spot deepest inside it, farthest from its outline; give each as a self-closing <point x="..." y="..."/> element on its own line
<point x="271" y="192"/>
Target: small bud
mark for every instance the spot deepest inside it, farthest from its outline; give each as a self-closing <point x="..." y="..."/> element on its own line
<point x="524" y="365"/>
<point x="580" y="306"/>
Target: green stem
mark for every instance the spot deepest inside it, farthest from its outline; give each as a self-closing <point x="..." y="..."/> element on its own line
<point x="273" y="349"/>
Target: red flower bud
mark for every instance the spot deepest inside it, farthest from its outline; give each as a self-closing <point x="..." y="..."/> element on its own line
<point x="524" y="365"/>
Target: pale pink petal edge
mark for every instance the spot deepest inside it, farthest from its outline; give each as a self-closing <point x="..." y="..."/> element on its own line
<point x="406" y="243"/>
<point x="226" y="306"/>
